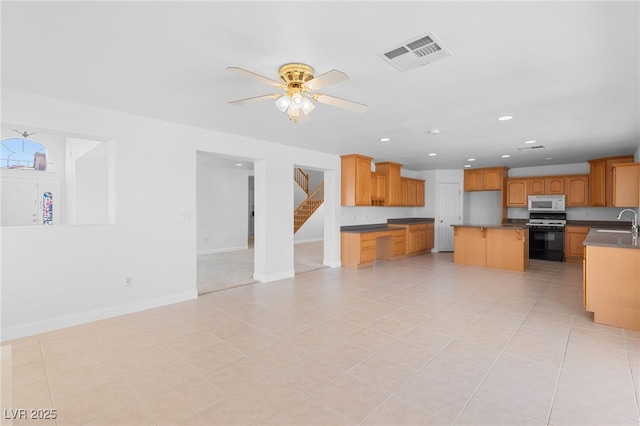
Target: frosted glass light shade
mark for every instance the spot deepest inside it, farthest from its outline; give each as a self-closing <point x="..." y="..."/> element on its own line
<point x="307" y="106"/>
<point x="296" y="101"/>
<point x="283" y="103"/>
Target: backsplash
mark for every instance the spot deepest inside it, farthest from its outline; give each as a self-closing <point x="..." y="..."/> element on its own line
<point x="573" y="213"/>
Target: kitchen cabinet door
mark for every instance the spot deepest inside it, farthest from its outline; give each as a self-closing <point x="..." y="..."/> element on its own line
<point x="554" y="185"/>
<point x="536" y="186"/>
<point x="378" y="188"/>
<point x="626" y="184"/>
<point x="356" y="180"/>
<point x="492" y="178"/>
<point x="473" y="180"/>
<point x="577" y="191"/>
<point x="412" y="193"/>
<point x="421" y="193"/>
<point x="517" y="193"/>
<point x="573" y="238"/>
<point x="392" y="172"/>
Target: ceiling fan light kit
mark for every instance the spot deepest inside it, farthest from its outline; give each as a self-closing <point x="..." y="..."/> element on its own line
<point x="297" y="82"/>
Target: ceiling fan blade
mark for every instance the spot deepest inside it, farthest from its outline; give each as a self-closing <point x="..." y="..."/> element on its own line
<point x="256" y="99"/>
<point x="249" y="74"/>
<point x="326" y="79"/>
<point x="340" y="103"/>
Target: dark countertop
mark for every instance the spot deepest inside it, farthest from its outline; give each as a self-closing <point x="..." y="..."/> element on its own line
<point x="611" y="239"/>
<point x="494" y="226"/>
<point x="606" y="224"/>
<point x="376" y="227"/>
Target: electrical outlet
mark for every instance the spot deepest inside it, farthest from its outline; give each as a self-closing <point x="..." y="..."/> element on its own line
<point x="128" y="281"/>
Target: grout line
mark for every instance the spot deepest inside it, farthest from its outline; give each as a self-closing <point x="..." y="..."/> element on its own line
<point x="493" y="364"/>
<point x="555" y="390"/>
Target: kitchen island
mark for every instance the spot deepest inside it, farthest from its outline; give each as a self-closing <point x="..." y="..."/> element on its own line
<point x="611" y="277"/>
<point x="492" y="246"/>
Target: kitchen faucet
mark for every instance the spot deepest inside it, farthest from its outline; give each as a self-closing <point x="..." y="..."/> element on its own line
<point x="634" y="224"/>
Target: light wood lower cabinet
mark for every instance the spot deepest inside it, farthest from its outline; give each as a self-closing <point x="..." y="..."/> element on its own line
<point x="419" y="237"/>
<point x="358" y="250"/>
<point x="573" y="242"/>
<point x="502" y="248"/>
<point x="612" y="285"/>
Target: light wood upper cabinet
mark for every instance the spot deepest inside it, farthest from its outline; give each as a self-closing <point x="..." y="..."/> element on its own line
<point x="421" y="194"/>
<point x="546" y="185"/>
<point x="577" y="190"/>
<point x="489" y="179"/>
<point x="392" y="172"/>
<point x="536" y="186"/>
<point x="601" y="180"/>
<point x="378" y="189"/>
<point x="473" y="180"/>
<point x="554" y="185"/>
<point x="626" y="184"/>
<point x="492" y="179"/>
<point x="517" y="192"/>
<point x="356" y="180"/>
<point x="412" y="193"/>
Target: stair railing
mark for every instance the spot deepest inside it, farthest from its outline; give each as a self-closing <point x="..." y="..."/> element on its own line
<point x="308" y="207"/>
<point x="302" y="179"/>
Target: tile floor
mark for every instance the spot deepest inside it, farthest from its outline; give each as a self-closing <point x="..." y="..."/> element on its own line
<point x="410" y="342"/>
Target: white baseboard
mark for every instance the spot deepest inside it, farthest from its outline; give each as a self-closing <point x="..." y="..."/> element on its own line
<point x="311" y="240"/>
<point x="222" y="250"/>
<point x="263" y="278"/>
<point x="37" y="327"/>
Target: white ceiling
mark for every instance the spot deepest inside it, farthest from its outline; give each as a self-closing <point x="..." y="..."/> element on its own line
<point x="568" y="72"/>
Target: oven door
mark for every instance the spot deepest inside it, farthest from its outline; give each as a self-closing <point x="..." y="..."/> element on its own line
<point x="546" y="242"/>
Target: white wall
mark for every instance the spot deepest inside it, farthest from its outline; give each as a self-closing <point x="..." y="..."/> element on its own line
<point x="222" y="196"/>
<point x="153" y="238"/>
<point x="92" y="186"/>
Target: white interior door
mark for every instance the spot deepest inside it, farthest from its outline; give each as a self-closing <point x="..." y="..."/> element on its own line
<point x="448" y="213"/>
<point x="20" y="202"/>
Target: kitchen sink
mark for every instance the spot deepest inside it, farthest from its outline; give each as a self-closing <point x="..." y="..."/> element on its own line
<point x="614" y="231"/>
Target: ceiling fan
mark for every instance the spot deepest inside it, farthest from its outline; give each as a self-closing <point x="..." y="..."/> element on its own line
<point x="299" y="87"/>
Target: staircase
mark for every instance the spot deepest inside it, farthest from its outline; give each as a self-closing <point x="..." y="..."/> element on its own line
<point x="310" y="204"/>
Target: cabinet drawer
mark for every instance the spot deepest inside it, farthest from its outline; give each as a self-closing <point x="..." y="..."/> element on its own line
<point x="368" y="254"/>
<point x="368" y="241"/>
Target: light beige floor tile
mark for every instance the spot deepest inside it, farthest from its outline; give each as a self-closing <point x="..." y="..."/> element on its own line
<point x="140" y="359"/>
<point x="212" y="357"/>
<point x="238" y="374"/>
<point x="134" y="415"/>
<point x="310" y="374"/>
<point x="79" y="358"/>
<point x="181" y="401"/>
<point x="159" y="378"/>
<point x="308" y="413"/>
<point x="266" y="399"/>
<point x="118" y="345"/>
<point x="96" y="403"/>
<point x="483" y="411"/>
<point x="394" y="411"/>
<point x="66" y="384"/>
<point x="350" y="397"/>
<point x="341" y="354"/>
<point x="222" y="413"/>
<point x="383" y="372"/>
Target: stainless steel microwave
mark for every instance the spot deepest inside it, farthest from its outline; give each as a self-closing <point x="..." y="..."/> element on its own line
<point x="546" y="203"/>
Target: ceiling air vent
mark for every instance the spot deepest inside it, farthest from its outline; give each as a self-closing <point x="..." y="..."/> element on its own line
<point x="414" y="53"/>
<point x="530" y="148"/>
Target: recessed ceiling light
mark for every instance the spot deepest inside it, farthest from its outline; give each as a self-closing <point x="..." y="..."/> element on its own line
<point x="433" y="131"/>
<point x="471" y="159"/>
<point x="505" y="118"/>
<point x="506" y="156"/>
<point x="239" y="164"/>
<point x="432" y="154"/>
<point x="467" y="165"/>
<point x="385" y="139"/>
<point x="530" y="142"/>
<point x="548" y="158"/>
